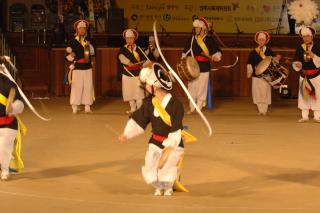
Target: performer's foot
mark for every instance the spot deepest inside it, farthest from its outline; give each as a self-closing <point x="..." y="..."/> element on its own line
<point x="168" y="192"/>
<point x="87" y="109"/>
<point x="4" y="176"/>
<point x="75" y="109"/>
<point x="158" y="192"/>
<point x="303" y="120"/>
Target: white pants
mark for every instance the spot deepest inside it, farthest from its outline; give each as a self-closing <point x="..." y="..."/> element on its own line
<point x="81" y="87"/>
<point x="168" y="173"/>
<point x="261" y="94"/>
<point x="198" y="89"/>
<point x="7" y="137"/>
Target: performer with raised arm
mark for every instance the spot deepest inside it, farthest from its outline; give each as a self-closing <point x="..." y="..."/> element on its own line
<point x="166" y="148"/>
<point x="11" y="126"/>
<point x="132" y="58"/>
<point x="204" y="49"/>
<point x="307" y="63"/>
<point x="79" y="51"/>
<point x="261" y="89"/>
<point x="152" y="51"/>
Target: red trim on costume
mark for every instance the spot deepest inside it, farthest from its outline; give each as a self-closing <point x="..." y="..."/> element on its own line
<point x="134" y="67"/>
<point x="82" y="61"/>
<point x="158" y="138"/>
<point x="5" y="120"/>
<point x="201" y="58"/>
<point x="310" y="72"/>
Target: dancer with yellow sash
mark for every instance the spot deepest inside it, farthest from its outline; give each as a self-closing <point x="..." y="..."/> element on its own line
<point x="307" y="63"/>
<point x="79" y="51"/>
<point x="261" y="89"/>
<point x="166" y="148"/>
<point x="205" y="50"/>
<point x="132" y="58"/>
<point x="11" y="127"/>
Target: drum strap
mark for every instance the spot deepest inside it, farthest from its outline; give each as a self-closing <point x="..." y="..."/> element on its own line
<point x="202" y="45"/>
<point x="16" y="162"/>
<point x="166" y="118"/>
<point x="134" y="52"/>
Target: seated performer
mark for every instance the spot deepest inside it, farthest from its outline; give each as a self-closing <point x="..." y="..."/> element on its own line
<point x="165" y="113"/>
<point x="261" y="89"/>
<point x="152" y="51"/>
<point x="10" y="126"/>
<point x="307" y="62"/>
<point x="79" y="52"/>
<point x="203" y="48"/>
<point x="132" y="59"/>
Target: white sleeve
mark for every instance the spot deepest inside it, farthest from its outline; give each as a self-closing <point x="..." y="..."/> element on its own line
<point x="249" y="70"/>
<point x="17" y="107"/>
<point x="132" y="129"/>
<point x="156" y="53"/>
<point x="316" y="60"/>
<point x="217" y="56"/>
<point x="123" y="59"/>
<point x="173" y="139"/>
<point x="91" y="49"/>
<point x="295" y="65"/>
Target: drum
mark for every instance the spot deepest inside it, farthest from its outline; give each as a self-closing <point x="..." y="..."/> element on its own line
<point x="275" y="74"/>
<point x="188" y="68"/>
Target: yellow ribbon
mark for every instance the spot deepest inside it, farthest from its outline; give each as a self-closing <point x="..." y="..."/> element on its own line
<point x="16" y="163"/>
<point x="82" y="41"/>
<point x="261" y="53"/>
<point x="202" y="45"/>
<point x="186" y="136"/>
<point x="135" y="53"/>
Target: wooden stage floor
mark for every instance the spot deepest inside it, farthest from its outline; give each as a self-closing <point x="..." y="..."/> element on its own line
<point x="252" y="164"/>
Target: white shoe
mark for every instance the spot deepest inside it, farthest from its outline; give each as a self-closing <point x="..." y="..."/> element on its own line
<point x="4" y="176"/>
<point x="158" y="192"/>
<point x="303" y="120"/>
<point x="168" y="192"/>
<point x="75" y="109"/>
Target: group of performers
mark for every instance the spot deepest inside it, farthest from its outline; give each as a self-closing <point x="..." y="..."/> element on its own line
<point x="146" y="86"/>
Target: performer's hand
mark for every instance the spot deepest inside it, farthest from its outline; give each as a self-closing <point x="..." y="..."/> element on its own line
<point x="122" y="138"/>
<point x="130" y="64"/>
<point x="278" y="57"/>
<point x="311" y="54"/>
<point x="9" y="109"/>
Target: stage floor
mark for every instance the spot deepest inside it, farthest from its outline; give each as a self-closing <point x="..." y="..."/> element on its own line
<point x="252" y="164"/>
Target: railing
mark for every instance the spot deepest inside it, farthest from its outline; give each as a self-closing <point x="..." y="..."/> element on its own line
<point x="6" y="51"/>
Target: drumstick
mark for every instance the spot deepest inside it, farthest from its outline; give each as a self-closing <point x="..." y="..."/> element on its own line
<point x="109" y="127"/>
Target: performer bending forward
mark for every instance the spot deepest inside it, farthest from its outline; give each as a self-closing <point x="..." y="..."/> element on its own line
<point x="165" y="113"/>
<point x="9" y="127"/>
<point x="261" y="89"/>
<point x="203" y="48"/>
<point x="307" y="62"/>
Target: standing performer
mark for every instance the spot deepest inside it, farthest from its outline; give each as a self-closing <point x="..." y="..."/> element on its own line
<point x="307" y="62"/>
<point x="132" y="58"/>
<point x="152" y="52"/>
<point x="165" y="113"/>
<point x="79" y="51"/>
<point x="203" y="48"/>
<point x="261" y="89"/>
<point x="10" y="126"/>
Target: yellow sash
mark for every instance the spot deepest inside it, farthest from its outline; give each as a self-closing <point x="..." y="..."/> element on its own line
<point x="187" y="137"/>
<point x="16" y="163"/>
<point x="261" y="53"/>
<point x="202" y="45"/>
<point x="82" y="41"/>
<point x="135" y="53"/>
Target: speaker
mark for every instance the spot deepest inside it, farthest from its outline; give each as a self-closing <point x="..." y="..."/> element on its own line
<point x="115" y="20"/>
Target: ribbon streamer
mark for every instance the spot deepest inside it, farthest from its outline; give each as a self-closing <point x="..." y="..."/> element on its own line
<point x="180" y="81"/>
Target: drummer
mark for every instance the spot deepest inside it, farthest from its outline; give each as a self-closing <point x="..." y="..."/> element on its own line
<point x="165" y="113"/>
<point x="307" y="62"/>
<point x="132" y="59"/>
<point x="204" y="49"/>
<point x="261" y="89"/>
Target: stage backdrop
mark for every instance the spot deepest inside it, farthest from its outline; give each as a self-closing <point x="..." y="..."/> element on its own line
<point x="227" y="16"/>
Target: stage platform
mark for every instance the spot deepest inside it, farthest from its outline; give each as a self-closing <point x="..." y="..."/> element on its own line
<point x="251" y="164"/>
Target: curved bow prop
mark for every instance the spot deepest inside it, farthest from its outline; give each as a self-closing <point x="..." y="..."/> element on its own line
<point x="8" y="75"/>
<point x="223" y="45"/>
<point x="180" y="81"/>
